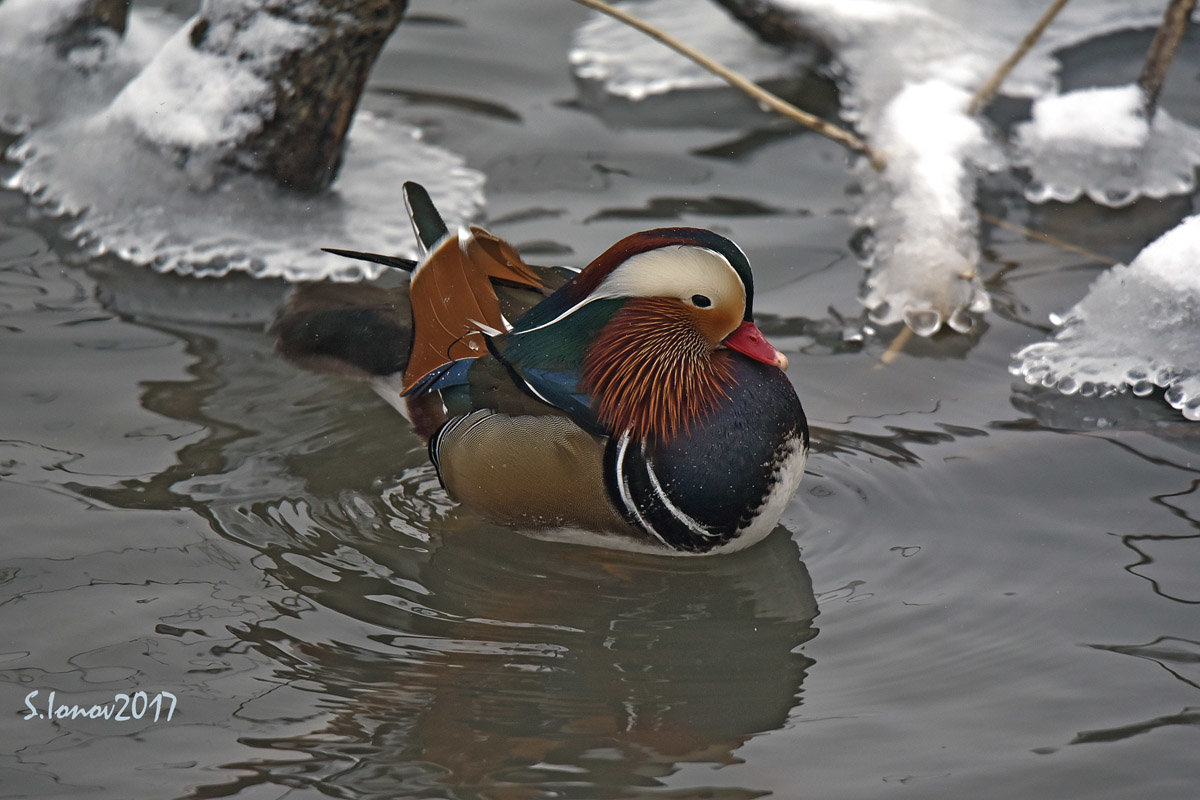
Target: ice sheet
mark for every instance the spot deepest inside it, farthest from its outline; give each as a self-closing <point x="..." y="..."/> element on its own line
<point x="129" y="201"/>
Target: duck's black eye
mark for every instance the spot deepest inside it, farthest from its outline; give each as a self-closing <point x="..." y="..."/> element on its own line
<point x="700" y="301"/>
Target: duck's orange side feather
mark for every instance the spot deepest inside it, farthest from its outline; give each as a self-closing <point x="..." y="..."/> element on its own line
<point x="452" y="298"/>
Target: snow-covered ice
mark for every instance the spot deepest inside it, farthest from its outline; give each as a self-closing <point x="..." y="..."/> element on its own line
<point x="130" y="202"/>
<point x="1137" y="328"/>
<point x="1099" y="142"/>
<point x="137" y="162"/>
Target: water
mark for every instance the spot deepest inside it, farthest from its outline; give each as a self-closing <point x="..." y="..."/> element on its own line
<point x="981" y="590"/>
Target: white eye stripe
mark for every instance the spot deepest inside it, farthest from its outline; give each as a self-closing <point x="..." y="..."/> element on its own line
<point x="561" y="316"/>
<point x="664" y="272"/>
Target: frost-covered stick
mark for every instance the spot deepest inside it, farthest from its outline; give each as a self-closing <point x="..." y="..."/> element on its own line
<point x="774" y="102"/>
<point x="1162" y="51"/>
<point x="81" y="28"/>
<point x="985" y="93"/>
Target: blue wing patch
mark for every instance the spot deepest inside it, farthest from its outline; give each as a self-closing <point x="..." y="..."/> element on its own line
<point x="442" y="378"/>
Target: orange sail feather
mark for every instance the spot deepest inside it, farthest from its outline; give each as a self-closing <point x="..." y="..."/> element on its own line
<point x="453" y="299"/>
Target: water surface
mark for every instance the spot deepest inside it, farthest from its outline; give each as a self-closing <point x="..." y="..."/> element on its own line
<point x="981" y="590"/>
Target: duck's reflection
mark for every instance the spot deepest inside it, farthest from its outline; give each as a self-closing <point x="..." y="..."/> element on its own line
<point x="540" y="670"/>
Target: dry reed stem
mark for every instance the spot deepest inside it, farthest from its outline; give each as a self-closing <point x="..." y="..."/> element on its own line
<point x="985" y="93"/>
<point x="1162" y="51"/>
<point x="1046" y="238"/>
<point x="896" y="347"/>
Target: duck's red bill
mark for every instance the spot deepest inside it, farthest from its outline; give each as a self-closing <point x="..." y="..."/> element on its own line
<point x="749" y="341"/>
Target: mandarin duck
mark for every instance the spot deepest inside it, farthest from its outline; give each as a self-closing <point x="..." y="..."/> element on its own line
<point x="633" y="403"/>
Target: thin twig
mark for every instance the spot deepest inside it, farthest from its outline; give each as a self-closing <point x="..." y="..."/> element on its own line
<point x="774" y="102"/>
<point x="894" y="349"/>
<point x="1162" y="51"/>
<point x="1046" y="238"/>
<point x="987" y="91"/>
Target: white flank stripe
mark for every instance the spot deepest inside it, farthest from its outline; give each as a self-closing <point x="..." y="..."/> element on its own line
<point x="676" y="512"/>
<point x="623" y="488"/>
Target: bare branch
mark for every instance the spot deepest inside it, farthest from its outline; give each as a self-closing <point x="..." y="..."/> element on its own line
<point x="1162" y="51"/>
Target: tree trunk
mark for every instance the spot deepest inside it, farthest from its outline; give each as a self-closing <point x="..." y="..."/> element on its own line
<point x="316" y="81"/>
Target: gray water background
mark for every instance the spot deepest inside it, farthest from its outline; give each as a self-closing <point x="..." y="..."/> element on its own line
<point x="980" y="590"/>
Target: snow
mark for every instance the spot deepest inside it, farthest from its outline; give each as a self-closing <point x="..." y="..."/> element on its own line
<point x="1099" y="142"/>
<point x="1101" y="117"/>
<point x="83" y="83"/>
<point x="193" y="99"/>
<point x="28" y="23"/>
<point x="1172" y="259"/>
<point x="211" y="96"/>
<point x="134" y="157"/>
<point x="1138" y="327"/>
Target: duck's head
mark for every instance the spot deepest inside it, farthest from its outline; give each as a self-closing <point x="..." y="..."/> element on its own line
<point x="693" y="275"/>
<point x="704" y="275"/>
<point x="656" y="316"/>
